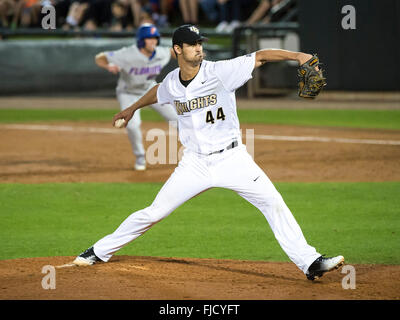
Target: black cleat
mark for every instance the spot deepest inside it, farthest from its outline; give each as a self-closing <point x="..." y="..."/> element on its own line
<point x="323" y="265"/>
<point x="86" y="258"/>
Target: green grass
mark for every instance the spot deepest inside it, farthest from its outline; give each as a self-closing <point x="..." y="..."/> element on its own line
<point x="358" y="220"/>
<point x="37" y="115"/>
<point x="378" y="119"/>
<point x="33" y="115"/>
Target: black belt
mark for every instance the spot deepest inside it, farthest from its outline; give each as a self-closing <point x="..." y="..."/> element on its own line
<point x="234" y="144"/>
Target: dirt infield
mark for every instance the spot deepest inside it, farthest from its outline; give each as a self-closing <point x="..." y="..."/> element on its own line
<point x="153" y="278"/>
<point x="82" y="152"/>
<point x="57" y="153"/>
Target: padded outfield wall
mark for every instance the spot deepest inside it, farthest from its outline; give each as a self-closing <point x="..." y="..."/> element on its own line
<point x="58" y="66"/>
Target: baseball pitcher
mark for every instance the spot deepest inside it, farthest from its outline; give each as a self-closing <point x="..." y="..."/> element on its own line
<point x="203" y="93"/>
<point x="138" y="66"/>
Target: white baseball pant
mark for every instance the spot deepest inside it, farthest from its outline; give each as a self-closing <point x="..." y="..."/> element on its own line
<point x="125" y="100"/>
<point x="233" y="169"/>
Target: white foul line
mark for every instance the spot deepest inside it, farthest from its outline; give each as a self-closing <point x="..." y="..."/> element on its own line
<point x="256" y="136"/>
<point x="60" y="128"/>
<point x="324" y="139"/>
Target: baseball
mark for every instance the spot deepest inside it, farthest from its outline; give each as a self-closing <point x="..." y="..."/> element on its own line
<point x="119" y="123"/>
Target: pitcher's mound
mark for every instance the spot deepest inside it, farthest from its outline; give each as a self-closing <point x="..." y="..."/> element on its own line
<point x="156" y="278"/>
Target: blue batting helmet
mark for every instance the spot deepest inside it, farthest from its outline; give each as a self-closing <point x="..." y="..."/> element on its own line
<point x="146" y="30"/>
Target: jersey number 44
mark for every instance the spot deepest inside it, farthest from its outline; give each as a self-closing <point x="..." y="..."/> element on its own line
<point x="220" y="115"/>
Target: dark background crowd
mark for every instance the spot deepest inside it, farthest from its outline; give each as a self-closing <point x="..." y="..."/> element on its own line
<point x="119" y="15"/>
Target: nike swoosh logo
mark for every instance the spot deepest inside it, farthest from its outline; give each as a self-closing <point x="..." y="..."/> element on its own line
<point x="203" y="82"/>
<point x="256" y="178"/>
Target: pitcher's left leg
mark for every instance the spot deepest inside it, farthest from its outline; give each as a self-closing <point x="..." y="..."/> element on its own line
<point x="134" y="130"/>
<point x="241" y="174"/>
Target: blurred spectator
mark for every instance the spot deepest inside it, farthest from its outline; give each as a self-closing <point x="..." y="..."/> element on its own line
<point x="189" y="10"/>
<point x="161" y="13"/>
<point x="121" y="16"/>
<point x="26" y="13"/>
<point x="62" y="8"/>
<point x="138" y="11"/>
<point x="98" y="14"/>
<point x="75" y="13"/>
<point x="7" y="8"/>
<point x="210" y="9"/>
<point x="93" y="14"/>
<point x="151" y="11"/>
<point x="262" y="11"/>
<point x="14" y="13"/>
<point x="129" y="14"/>
<point x="230" y="11"/>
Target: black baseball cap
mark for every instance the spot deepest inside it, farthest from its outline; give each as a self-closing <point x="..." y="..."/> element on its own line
<point x="187" y="33"/>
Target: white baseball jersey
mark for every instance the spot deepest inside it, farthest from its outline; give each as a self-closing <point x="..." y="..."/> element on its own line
<point x="206" y="108"/>
<point x="138" y="72"/>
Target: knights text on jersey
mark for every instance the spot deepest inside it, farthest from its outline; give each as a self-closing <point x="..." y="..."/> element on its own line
<point x="138" y="72"/>
<point x="206" y="108"/>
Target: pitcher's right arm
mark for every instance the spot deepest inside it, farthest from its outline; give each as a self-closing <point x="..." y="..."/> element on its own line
<point x="148" y="99"/>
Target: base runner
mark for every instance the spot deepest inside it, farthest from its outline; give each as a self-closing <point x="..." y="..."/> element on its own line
<point x="138" y="66"/>
<point x="203" y="93"/>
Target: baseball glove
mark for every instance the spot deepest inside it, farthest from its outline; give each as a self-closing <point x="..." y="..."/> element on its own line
<point x="311" y="81"/>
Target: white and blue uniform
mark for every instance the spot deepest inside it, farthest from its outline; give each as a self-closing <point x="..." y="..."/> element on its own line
<point x="214" y="156"/>
<point x="137" y="76"/>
